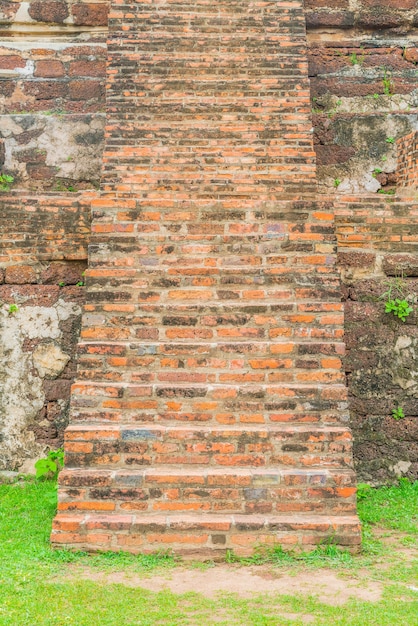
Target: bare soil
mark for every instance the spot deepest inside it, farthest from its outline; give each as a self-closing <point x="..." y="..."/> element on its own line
<point x="246" y="582"/>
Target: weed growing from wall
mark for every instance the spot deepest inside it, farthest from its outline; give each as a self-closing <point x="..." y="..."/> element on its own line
<point x="398" y="413"/>
<point x="396" y="301"/>
<point x="50" y="466"/>
<point x="5" y="181"/>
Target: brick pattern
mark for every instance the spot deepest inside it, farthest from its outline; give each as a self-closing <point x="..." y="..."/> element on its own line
<point x="378" y="241"/>
<point x="66" y="13"/>
<point x="366" y="15"/>
<point x="43" y="244"/>
<point x="374" y="223"/>
<point x="64" y="77"/>
<point x="36" y="230"/>
<point x="331" y="70"/>
<point x="210" y="407"/>
<point x="408" y="160"/>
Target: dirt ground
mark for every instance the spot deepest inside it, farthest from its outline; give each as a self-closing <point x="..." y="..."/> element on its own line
<point x="325" y="584"/>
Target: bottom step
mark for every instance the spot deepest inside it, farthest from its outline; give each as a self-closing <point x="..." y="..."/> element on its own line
<point x="202" y="536"/>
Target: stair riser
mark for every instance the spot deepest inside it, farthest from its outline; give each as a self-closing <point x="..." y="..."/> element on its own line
<point x="191" y="417"/>
<point x="232" y="404"/>
<point x="203" y="538"/>
<point x="166" y="499"/>
<point x="147" y="447"/>
<point x="202" y="478"/>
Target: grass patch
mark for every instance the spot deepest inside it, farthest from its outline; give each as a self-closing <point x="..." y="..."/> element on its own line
<point x="323" y="556"/>
<point x="395" y="508"/>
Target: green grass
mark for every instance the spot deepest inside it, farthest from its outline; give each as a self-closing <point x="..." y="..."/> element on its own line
<point x="42" y="587"/>
<point x="394" y="508"/>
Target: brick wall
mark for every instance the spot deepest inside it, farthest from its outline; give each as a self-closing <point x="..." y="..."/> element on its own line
<point x="362" y="66"/>
<point x="43" y="255"/>
<point x="52" y="68"/>
<point x="408" y="160"/>
<point x="378" y="245"/>
<point x="52" y="73"/>
<point x="56" y="90"/>
<point x="394" y="16"/>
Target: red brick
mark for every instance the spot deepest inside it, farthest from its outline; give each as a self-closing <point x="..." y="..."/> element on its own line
<point x="20" y="275"/>
<point x="87" y="68"/>
<point x="49" y="69"/>
<point x="86" y="90"/>
<point x="48" y="11"/>
<point x="11" y="62"/>
<point x="90" y="14"/>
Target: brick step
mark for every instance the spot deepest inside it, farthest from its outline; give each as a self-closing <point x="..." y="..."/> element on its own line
<point x="249" y="446"/>
<point x="202" y="351"/>
<point x="210" y="490"/>
<point x="231" y="343"/>
<point x="202" y="535"/>
<point x="245" y="321"/>
<point x="236" y="402"/>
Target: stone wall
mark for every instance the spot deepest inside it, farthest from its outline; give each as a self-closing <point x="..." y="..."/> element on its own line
<point x="378" y="251"/>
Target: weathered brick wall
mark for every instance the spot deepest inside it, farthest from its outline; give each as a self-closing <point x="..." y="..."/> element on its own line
<point x="363" y="83"/>
<point x="378" y="244"/>
<point x="52" y="72"/>
<point x="397" y="17"/>
<point x="362" y="65"/>
<point x="408" y="160"/>
<point x="52" y="133"/>
<point x="43" y="254"/>
<point x="52" y="68"/>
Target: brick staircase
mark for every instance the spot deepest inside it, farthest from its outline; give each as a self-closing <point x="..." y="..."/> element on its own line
<point x="210" y="407"/>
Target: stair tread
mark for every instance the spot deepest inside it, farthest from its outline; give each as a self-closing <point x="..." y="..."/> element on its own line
<point x="198" y="470"/>
<point x="204" y="517"/>
<point x="241" y="428"/>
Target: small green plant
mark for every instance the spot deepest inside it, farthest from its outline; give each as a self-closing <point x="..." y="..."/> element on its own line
<point x="13" y="308"/>
<point x="390" y="140"/>
<point x="387" y="192"/>
<point x="376" y="171"/>
<point x="396" y="299"/>
<point x="388" y="88"/>
<point x="80" y="283"/>
<point x="61" y="186"/>
<point x="62" y="283"/>
<point x="398" y="413"/>
<point x="5" y="181"/>
<point x="376" y="96"/>
<point x="363" y="491"/>
<point x="355" y="59"/>
<point x="337" y="182"/>
<point x="399" y="308"/>
<point x="50" y="466"/>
